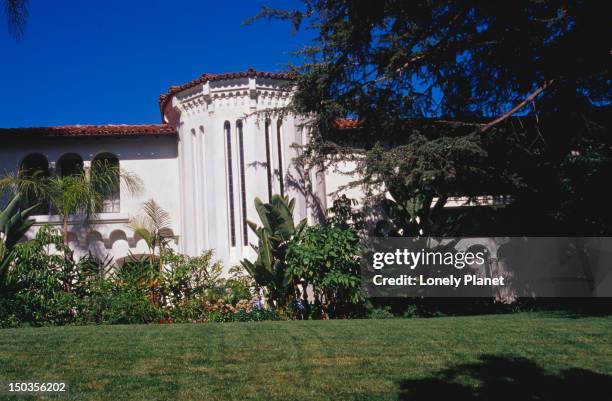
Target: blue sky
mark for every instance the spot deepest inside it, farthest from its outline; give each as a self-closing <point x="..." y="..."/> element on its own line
<point x="101" y="62"/>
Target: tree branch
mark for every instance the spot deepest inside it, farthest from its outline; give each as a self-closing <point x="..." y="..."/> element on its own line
<point x="519" y="106"/>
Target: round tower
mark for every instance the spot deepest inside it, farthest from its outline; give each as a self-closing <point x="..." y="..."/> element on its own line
<point x="234" y="146"/>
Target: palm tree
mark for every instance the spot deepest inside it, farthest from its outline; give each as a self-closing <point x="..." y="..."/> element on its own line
<point x="17" y="14"/>
<point x="77" y="195"/>
<point x="155" y="228"/>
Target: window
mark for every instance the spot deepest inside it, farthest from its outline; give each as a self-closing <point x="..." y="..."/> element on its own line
<point x="230" y="183"/>
<point x="69" y="164"/>
<point x="105" y="178"/>
<point x="268" y="161"/>
<point x="34" y="166"/>
<point x="245" y="226"/>
<point x="279" y="143"/>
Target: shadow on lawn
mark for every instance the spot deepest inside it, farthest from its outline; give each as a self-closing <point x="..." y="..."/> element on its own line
<point x="506" y="379"/>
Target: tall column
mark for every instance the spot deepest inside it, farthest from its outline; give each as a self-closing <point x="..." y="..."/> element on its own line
<point x="255" y="170"/>
<point x="188" y="228"/>
<point x="215" y="175"/>
<point x="202" y="204"/>
<point x="296" y="185"/>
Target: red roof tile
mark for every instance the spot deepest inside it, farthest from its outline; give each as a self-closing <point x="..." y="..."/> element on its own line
<point x="347" y="123"/>
<point x="92" y="130"/>
<point x="163" y="98"/>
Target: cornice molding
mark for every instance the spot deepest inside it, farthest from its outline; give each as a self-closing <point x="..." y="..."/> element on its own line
<point x="204" y="98"/>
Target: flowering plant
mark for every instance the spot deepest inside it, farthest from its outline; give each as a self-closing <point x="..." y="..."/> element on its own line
<point x="244" y="310"/>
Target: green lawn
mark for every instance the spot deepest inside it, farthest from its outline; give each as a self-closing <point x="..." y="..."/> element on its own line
<point x="497" y="357"/>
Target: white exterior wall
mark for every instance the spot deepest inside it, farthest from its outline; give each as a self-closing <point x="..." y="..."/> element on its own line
<point x="337" y="177"/>
<point x="199" y="115"/>
<point x="152" y="159"/>
<point x="188" y="175"/>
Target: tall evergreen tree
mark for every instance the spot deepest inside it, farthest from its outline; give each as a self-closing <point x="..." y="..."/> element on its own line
<point x="464" y="98"/>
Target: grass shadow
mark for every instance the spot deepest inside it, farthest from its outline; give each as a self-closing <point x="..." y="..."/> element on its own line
<point x="506" y="379"/>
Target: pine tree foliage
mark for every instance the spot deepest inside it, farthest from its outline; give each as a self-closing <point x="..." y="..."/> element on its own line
<point x="463" y="98"/>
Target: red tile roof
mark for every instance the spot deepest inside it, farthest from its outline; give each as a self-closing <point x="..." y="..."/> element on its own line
<point x="163" y="98"/>
<point x="92" y="130"/>
<point x="347" y="123"/>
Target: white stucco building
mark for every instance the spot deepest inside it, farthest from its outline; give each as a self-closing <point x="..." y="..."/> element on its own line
<point x="221" y="144"/>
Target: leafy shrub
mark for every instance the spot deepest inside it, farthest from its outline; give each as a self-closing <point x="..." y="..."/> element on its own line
<point x="411" y="310"/>
<point x="187" y="277"/>
<point x="40" y="282"/>
<point x="9" y="315"/>
<point x="243" y="311"/>
<point x="196" y="311"/>
<point x="381" y="313"/>
<point x="129" y="306"/>
<point x="47" y="285"/>
<point x="326" y="258"/>
<point x="187" y="311"/>
<point x="239" y="285"/>
<point x="123" y="298"/>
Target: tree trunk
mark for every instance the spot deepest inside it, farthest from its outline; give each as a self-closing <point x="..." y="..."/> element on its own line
<point x="65" y="225"/>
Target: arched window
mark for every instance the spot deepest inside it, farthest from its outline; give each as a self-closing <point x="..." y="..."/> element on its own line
<point x="69" y="164"/>
<point x="245" y="226"/>
<point x="268" y="160"/>
<point x="279" y="143"/>
<point x="34" y="164"/>
<point x="230" y="182"/>
<point x="105" y="178"/>
<point x="35" y="167"/>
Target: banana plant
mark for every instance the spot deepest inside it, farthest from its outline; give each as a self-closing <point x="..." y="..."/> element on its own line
<point x="14" y="223"/>
<point x="270" y="268"/>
